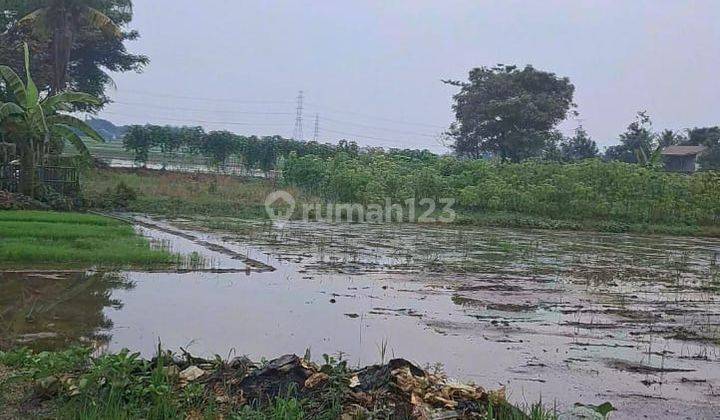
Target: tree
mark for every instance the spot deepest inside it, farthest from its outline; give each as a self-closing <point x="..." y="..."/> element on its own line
<point x="138" y="140"/>
<point x="670" y="138"/>
<point x="508" y="111"/>
<point x="32" y="122"/>
<point x="218" y="146"/>
<point x="703" y="136"/>
<point x="637" y="143"/>
<point x="710" y="138"/>
<point x="579" y="147"/>
<point x="75" y="42"/>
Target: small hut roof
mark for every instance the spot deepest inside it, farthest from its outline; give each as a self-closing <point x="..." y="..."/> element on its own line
<point x="683" y="150"/>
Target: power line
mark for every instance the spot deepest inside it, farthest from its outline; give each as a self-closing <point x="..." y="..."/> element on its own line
<point x="298" y="126"/>
<point x="197" y="98"/>
<point x="298" y="130"/>
<point x="341" y="111"/>
<point x="412" y="133"/>
<point x="172" y="108"/>
<point x="247" y="124"/>
<point x="378" y="138"/>
<point x="326" y="109"/>
<point x="186" y="120"/>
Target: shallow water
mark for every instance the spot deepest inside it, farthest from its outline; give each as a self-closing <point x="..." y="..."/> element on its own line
<point x="566" y="317"/>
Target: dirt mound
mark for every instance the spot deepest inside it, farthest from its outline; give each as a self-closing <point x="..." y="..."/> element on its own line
<point x="398" y="389"/>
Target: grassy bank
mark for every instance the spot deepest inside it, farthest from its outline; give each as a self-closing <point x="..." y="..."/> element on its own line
<point x="41" y="238"/>
<point x="71" y="384"/>
<point x="188" y="194"/>
<point x="176" y="193"/>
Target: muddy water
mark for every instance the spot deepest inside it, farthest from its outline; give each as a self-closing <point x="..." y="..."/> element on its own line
<point x="566" y="317"/>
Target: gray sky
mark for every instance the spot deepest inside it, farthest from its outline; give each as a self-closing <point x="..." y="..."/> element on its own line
<point x="373" y="68"/>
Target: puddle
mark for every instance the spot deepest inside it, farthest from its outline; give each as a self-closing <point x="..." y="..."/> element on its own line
<point x="569" y="317"/>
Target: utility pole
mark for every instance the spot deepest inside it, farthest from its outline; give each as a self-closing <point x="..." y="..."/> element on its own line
<point x="298" y="130"/>
<point x="317" y="127"/>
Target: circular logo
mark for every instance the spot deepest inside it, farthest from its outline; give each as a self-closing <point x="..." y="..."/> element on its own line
<point x="280" y="205"/>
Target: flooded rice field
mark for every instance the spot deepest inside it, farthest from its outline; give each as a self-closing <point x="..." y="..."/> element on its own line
<point x="564" y="317"/>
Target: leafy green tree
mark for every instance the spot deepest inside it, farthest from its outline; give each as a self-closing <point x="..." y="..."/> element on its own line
<point x="670" y="138"/>
<point x="710" y="138"/>
<point x="703" y="136"/>
<point x="76" y="42"/>
<point x="508" y="111"/>
<point x="218" y="146"/>
<point x="32" y="122"/>
<point x="637" y="143"/>
<point x="191" y="138"/>
<point x="578" y="147"/>
<point x="138" y="140"/>
<point x="710" y="160"/>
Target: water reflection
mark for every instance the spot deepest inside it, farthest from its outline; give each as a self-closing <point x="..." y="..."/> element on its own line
<point x="53" y="309"/>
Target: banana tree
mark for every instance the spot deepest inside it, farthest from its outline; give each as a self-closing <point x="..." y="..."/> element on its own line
<point x="62" y="19"/>
<point x="31" y="121"/>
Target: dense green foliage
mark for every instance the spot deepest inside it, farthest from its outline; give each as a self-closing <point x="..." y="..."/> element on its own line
<point x="73" y="239"/>
<point x="636" y="143"/>
<point x="76" y="43"/>
<point x="578" y="147"/>
<point x="508" y="111"/>
<point x="590" y="189"/>
<point x="710" y="138"/>
<point x="35" y="124"/>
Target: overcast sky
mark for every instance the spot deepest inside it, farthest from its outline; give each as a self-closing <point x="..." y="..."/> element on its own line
<point x="372" y="69"/>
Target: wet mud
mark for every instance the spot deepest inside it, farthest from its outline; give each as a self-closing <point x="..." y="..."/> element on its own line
<point x="566" y="317"/>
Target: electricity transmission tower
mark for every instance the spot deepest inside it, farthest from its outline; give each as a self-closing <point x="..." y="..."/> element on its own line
<point x="298" y="130"/>
<point x="317" y="127"/>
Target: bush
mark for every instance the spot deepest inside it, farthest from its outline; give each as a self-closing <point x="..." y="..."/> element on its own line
<point x="589" y="190"/>
<point x="118" y="197"/>
<point x="55" y="200"/>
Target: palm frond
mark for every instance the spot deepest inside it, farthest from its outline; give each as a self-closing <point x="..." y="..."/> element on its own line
<point x="76" y="124"/>
<point x="57" y="102"/>
<point x="9" y="108"/>
<point x="14" y="83"/>
<point x="99" y="20"/>
<point x="32" y="95"/>
<point x="65" y="132"/>
<point x="36" y="19"/>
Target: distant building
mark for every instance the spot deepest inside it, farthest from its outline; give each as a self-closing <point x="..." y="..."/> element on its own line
<point x="682" y="158"/>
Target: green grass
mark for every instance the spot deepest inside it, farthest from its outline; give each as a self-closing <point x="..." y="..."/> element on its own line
<point x="41" y="239"/>
<point x="56" y="217"/>
<point x="521" y="221"/>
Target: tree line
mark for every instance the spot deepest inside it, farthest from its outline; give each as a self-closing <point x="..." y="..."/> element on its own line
<point x="503" y="112"/>
<point x="512" y="113"/>
<point x="265" y="153"/>
<point x="615" y="192"/>
<point x="216" y="147"/>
